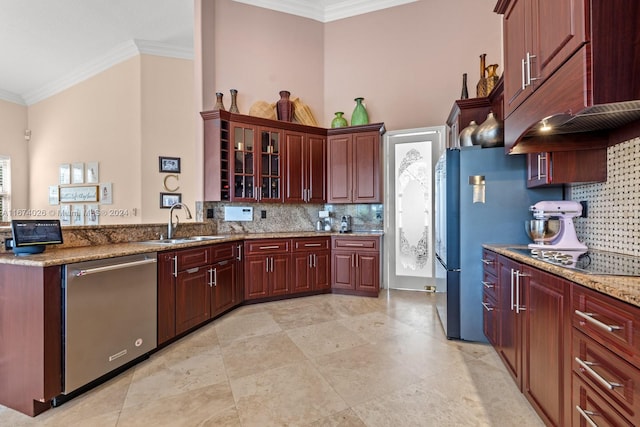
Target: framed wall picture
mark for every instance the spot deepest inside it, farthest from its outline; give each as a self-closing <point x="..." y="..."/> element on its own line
<point x="106" y="193"/>
<point x="77" y="173"/>
<point x="77" y="214"/>
<point x="92" y="173"/>
<point x="54" y="195"/>
<point x="92" y="215"/>
<point x="170" y="164"/>
<point x="65" y="214"/>
<point x="64" y="174"/>
<point x="169" y="199"/>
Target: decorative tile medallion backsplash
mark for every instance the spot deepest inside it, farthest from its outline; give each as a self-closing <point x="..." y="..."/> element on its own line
<point x="613" y="216"/>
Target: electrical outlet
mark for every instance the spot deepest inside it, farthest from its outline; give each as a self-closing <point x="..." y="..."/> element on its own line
<point x="263" y="214"/>
<point x="584" y="208"/>
<point x="8" y="244"/>
<point x="209" y="213"/>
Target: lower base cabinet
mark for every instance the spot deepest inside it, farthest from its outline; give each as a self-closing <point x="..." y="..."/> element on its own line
<point x="311" y="265"/>
<point x="356" y="265"/>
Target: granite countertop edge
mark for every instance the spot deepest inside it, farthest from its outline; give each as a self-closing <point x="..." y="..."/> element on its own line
<point x="624" y="288"/>
<point x="53" y="257"/>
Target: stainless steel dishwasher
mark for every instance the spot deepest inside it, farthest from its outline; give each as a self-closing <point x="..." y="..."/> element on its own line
<point x="109" y="312"/>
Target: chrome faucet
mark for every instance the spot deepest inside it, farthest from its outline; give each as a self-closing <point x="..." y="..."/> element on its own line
<point x="171" y="226"/>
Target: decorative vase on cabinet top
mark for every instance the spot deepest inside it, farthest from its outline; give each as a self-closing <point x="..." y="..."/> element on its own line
<point x="466" y="133"/>
<point x="465" y="92"/>
<point x="284" y="106"/>
<point x="234" y="105"/>
<point x="219" y="104"/>
<point x="489" y="133"/>
<point x="492" y="77"/>
<point x="481" y="87"/>
<point x="339" y="121"/>
<point x="360" y="115"/>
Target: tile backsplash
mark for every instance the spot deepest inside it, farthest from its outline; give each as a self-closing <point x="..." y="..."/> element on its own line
<point x="613" y="213"/>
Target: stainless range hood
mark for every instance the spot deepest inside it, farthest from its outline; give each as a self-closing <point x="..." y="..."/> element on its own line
<point x="597" y="117"/>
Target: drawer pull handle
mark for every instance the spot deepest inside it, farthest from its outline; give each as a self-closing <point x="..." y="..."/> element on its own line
<point x="487" y="306"/>
<point x="354" y="244"/>
<point x="488" y="285"/>
<point x="309" y="245"/>
<point x="589" y="318"/>
<point x="587" y="367"/>
<point x="193" y="270"/>
<point x="269" y="247"/>
<point x="586" y="416"/>
<point x="487" y="261"/>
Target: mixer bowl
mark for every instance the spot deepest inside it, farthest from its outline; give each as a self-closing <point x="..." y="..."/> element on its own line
<point x="542" y="230"/>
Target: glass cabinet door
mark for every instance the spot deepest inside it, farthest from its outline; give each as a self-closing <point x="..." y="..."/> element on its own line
<point x="244" y="167"/>
<point x="270" y="168"/>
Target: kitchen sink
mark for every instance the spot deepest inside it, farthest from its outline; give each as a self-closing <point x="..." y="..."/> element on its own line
<point x="200" y="238"/>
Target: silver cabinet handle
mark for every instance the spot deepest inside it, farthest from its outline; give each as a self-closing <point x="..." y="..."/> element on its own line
<point x="587" y="367"/>
<point x="512" y="271"/>
<point x="524" y="77"/>
<point x="210" y="277"/>
<point x="314" y="260"/>
<point x="312" y="245"/>
<point x="269" y="247"/>
<point x="193" y="270"/>
<point x="487" y="306"/>
<point x="529" y="78"/>
<point x="518" y="276"/>
<point x="586" y="415"/>
<point x="488" y="285"/>
<point x="95" y="270"/>
<point x="589" y="318"/>
<point x="215" y="277"/>
<point x="357" y="261"/>
<point x="359" y="245"/>
<point x="487" y="261"/>
<point x="175" y="266"/>
<point x="239" y="257"/>
<point x="266" y="264"/>
<point x="310" y="262"/>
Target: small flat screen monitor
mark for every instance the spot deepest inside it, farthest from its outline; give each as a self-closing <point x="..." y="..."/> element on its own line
<point x="31" y="235"/>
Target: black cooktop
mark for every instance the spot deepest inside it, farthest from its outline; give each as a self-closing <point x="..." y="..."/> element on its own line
<point x="591" y="262"/>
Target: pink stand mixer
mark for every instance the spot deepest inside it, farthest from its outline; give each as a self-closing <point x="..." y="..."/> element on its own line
<point x="553" y="229"/>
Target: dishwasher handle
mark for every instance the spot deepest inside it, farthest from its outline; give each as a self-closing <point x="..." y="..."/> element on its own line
<point x="94" y="270"/>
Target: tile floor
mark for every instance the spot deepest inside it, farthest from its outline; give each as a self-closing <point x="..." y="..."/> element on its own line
<point x="326" y="360"/>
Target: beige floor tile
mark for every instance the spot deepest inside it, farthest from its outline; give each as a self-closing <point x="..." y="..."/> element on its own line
<point x="240" y="326"/>
<point x="375" y="326"/>
<point x="295" y="394"/>
<point x="207" y="406"/>
<point x="312" y="312"/>
<point x="258" y="354"/>
<point x="347" y="305"/>
<point x="347" y="418"/>
<point x="325" y="338"/>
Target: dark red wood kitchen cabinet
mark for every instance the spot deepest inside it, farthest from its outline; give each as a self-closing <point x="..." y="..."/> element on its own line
<point x="166" y="296"/>
<point x="561" y="57"/>
<point x="267" y="264"/>
<point x="565" y="167"/>
<point x="224" y="283"/>
<point x="30" y="343"/>
<point x="193" y="293"/>
<point x="534" y="323"/>
<point x="310" y="265"/>
<point x="355" y="265"/>
<point x="490" y="297"/>
<point x="305" y="167"/>
<point x="354" y="164"/>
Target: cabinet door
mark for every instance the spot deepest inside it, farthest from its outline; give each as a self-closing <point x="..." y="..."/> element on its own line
<point x="343" y="271"/>
<point x="367" y="173"/>
<point x="223" y="286"/>
<point x="279" y="275"/>
<point x="321" y="271"/>
<point x="316" y="169"/>
<point x="239" y="266"/>
<point x="510" y="347"/>
<point x="193" y="298"/>
<point x="565" y="167"/>
<point x="269" y="172"/>
<point x="546" y="300"/>
<point x="295" y="184"/>
<point x="166" y="297"/>
<point x="339" y="173"/>
<point x="367" y="272"/>
<point x="244" y="163"/>
<point x="301" y="276"/>
<point x="517" y="39"/>
<point x="490" y="319"/>
<point x="257" y="282"/>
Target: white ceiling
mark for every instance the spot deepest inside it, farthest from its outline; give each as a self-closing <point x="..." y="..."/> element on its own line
<point x="49" y="45"/>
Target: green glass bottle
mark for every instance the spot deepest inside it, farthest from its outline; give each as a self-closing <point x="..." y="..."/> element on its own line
<point x="359" y="116"/>
<point x="339" y="121"/>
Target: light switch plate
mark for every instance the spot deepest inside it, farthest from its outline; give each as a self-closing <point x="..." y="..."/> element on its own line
<point x="238" y="213"/>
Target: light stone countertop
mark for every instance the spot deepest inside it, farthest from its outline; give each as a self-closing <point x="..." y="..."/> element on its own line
<point x="624" y="288"/>
<point x="52" y="256"/>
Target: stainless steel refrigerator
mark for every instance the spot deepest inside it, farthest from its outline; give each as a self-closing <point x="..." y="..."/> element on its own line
<point x="481" y="196"/>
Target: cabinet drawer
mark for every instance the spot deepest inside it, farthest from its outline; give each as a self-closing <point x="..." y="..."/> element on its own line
<point x="359" y="243"/>
<point x="490" y="285"/>
<point x="267" y="246"/>
<point x="311" y="244"/>
<point x="490" y="262"/>
<point x="189" y="258"/>
<point x="588" y="403"/>
<point x="223" y="251"/>
<point x="612" y="323"/>
<point x="490" y="318"/>
<point x="608" y="374"/>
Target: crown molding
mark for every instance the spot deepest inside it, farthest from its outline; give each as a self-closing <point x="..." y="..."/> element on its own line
<point x="120" y="53"/>
<point x="324" y="11"/>
<point x="12" y="97"/>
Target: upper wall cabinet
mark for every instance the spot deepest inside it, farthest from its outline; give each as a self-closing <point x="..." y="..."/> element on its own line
<point x="354" y="164"/>
<point x="571" y="65"/>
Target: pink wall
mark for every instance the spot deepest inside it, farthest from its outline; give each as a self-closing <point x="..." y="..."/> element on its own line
<point x="13" y="123"/>
<point x="406" y="61"/>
